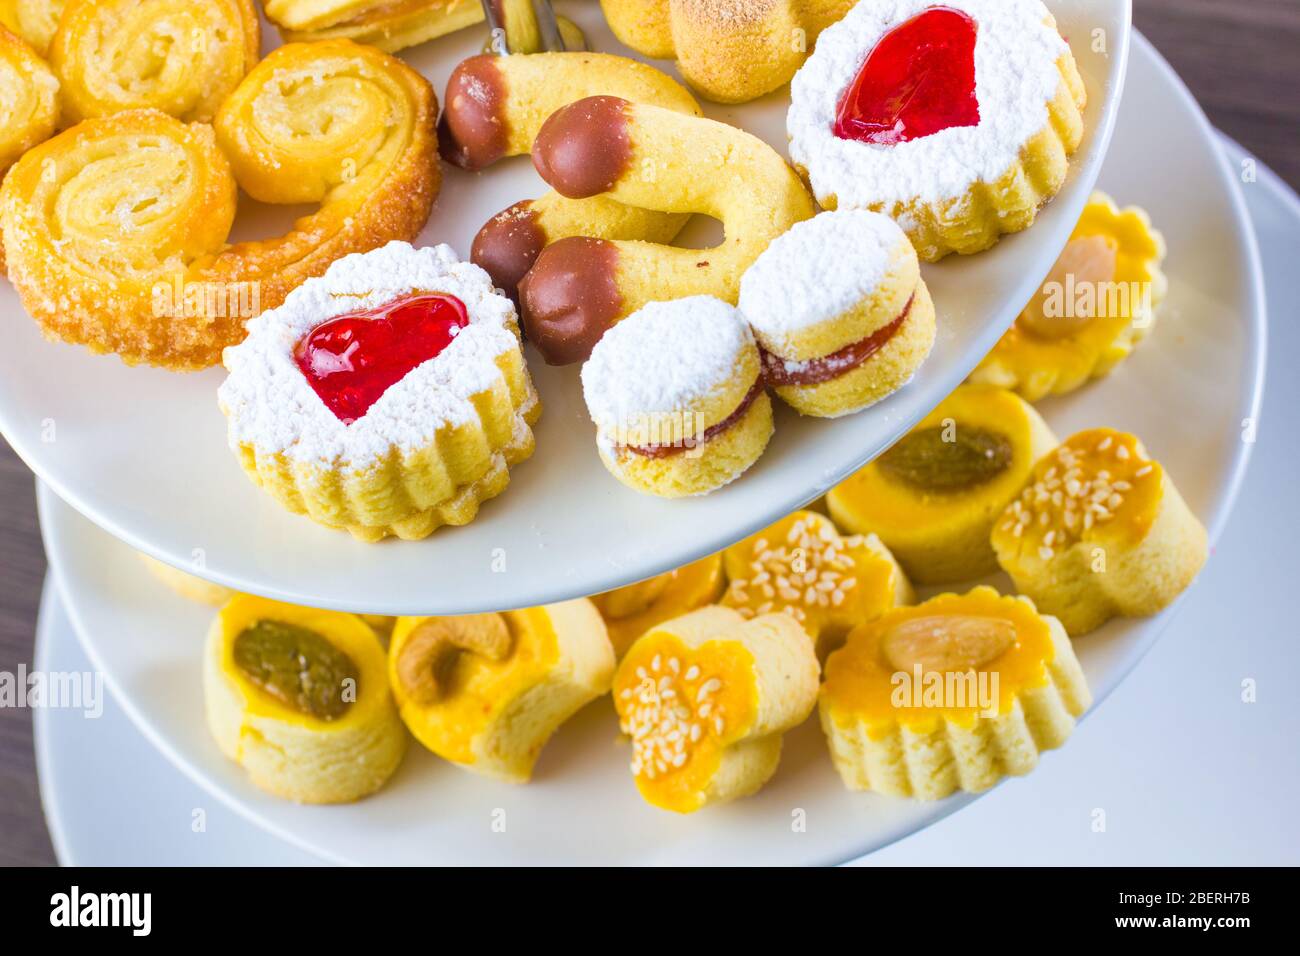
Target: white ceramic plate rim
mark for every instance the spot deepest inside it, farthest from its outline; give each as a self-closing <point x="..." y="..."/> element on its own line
<point x="537" y="576"/>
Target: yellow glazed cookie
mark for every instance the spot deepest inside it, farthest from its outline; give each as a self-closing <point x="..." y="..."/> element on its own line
<point x="840" y="310"/>
<point x="730" y="50"/>
<point x="189" y="586"/>
<point x="952" y="694"/>
<point x="1098" y="302"/>
<point x="299" y="698"/>
<point x="802" y="567"/>
<point x="658" y="159"/>
<point x="705" y="699"/>
<point x="632" y="610"/>
<point x="387" y="397"/>
<point x="956" y="119"/>
<point x="933" y="497"/>
<point x="33" y="20"/>
<point x="182" y="57"/>
<point x="677" y="396"/>
<point x="1101" y="532"/>
<point x="486" y="691"/>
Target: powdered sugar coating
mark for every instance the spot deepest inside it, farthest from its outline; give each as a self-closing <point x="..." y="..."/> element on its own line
<point x="270" y="405"/>
<point x="665" y="357"/>
<point x="1016" y="76"/>
<point x="819" y="269"/>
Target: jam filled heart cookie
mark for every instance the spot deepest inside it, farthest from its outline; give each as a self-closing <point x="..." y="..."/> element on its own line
<point x="956" y="119"/>
<point x="840" y="310"/>
<point x="730" y="51"/>
<point x="632" y="610"/>
<point x="934" y="496"/>
<point x="705" y="699"/>
<point x="802" y="567"/>
<point x="1098" y="302"/>
<point x="299" y="698"/>
<point x="1101" y="531"/>
<point x="650" y="158"/>
<point x="387" y="397"/>
<point x="952" y="694"/>
<point x="676" y="392"/>
<point x="486" y="691"/>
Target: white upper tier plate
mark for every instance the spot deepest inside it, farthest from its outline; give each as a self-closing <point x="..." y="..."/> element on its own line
<point x="142" y="452"/>
<point x="1191" y="391"/>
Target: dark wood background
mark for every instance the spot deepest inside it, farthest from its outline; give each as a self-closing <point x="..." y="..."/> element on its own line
<point x="1239" y="58"/>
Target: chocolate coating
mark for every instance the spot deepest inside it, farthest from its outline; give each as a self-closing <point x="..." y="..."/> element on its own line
<point x="508" y="245"/>
<point x="582" y="149"/>
<point x="472" y="130"/>
<point x="570" y="297"/>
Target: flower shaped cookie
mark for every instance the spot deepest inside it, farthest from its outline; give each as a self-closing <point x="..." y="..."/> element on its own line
<point x="803" y="567"/>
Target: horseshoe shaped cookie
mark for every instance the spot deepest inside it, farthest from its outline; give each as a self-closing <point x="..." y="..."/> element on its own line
<point x="649" y="158"/>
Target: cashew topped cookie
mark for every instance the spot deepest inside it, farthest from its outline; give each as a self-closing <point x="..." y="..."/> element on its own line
<point x="486" y="691"/>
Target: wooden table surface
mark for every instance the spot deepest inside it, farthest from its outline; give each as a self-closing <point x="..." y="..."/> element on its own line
<point x="1239" y="58"/>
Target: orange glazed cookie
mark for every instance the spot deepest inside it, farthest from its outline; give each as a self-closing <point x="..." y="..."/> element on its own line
<point x="1100" y="532"/>
<point x="632" y="610"/>
<point x="802" y="567"/>
<point x="952" y="694"/>
<point x="706" y="698"/>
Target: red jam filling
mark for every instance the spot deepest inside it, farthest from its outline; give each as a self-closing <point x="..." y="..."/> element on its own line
<point x="351" y="360"/>
<point x="713" y="431"/>
<point x="778" y="372"/>
<point x="919" y="80"/>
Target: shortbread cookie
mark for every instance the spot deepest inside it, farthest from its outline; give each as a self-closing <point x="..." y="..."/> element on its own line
<point x="731" y="51"/>
<point x="934" y="496"/>
<point x="632" y="610"/>
<point x="299" y="698"/>
<point x="956" y="119"/>
<point x="1100" y="532"/>
<point x="952" y="694"/>
<point x="705" y="699"/>
<point x="486" y="691"/>
<point x="840" y="310"/>
<point x="676" y="392"/>
<point x="189" y="586"/>
<point x="388" y="397"/>
<point x="1098" y="302"/>
<point x="802" y="567"/>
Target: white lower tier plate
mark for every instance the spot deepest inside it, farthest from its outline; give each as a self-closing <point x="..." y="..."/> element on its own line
<point x="99" y="816"/>
<point x="1187" y="391"/>
<point x="143" y="453"/>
